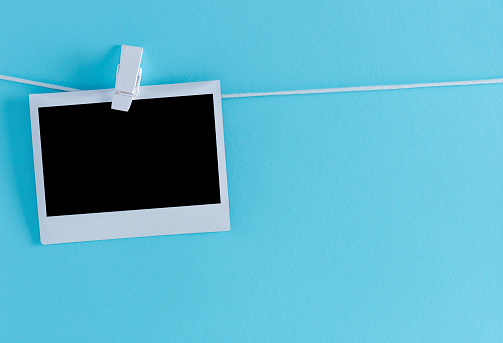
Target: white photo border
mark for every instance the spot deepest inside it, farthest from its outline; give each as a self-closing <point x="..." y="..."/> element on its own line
<point x="133" y="223"/>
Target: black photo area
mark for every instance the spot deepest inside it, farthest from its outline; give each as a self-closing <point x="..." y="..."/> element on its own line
<point x="162" y="153"/>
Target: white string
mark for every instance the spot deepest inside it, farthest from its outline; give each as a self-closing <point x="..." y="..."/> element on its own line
<point x="301" y="91"/>
<point x="35" y="83"/>
<point x="366" y="88"/>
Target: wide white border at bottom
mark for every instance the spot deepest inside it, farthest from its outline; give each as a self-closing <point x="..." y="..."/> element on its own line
<point x="140" y="223"/>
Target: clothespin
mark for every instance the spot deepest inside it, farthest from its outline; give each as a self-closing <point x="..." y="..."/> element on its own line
<point x="127" y="80"/>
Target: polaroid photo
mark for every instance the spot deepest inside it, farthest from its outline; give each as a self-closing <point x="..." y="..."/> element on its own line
<point x="158" y="169"/>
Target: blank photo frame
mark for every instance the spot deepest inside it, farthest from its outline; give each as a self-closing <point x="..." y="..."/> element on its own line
<point x="158" y="169"/>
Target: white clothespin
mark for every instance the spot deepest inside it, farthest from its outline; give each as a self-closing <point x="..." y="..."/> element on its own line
<point x="127" y="80"/>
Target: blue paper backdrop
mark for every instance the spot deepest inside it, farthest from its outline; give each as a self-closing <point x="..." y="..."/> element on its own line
<point x="365" y="217"/>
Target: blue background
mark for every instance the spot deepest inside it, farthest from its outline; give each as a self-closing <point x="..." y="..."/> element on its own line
<point x="364" y="217"/>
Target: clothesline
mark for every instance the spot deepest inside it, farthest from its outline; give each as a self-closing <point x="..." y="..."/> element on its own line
<point x="297" y="92"/>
